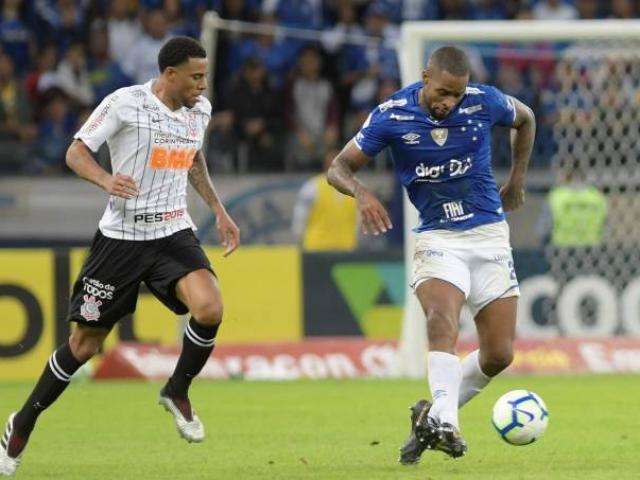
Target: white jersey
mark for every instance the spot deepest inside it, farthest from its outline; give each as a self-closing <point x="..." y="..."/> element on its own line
<point x="156" y="147"/>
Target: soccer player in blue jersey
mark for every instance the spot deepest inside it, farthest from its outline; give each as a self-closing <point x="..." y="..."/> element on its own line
<point x="439" y="133"/>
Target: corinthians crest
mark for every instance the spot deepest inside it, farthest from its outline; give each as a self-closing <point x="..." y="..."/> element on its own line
<point x="439" y="135"/>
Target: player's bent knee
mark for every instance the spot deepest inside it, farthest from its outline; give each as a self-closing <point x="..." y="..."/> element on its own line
<point x="86" y="342"/>
<point x="496" y="362"/>
<point x="208" y="313"/>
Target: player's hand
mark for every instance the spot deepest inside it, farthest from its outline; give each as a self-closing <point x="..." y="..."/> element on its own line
<point x="375" y="218"/>
<point x="512" y="195"/>
<point x="122" y="186"/>
<point x="228" y="231"/>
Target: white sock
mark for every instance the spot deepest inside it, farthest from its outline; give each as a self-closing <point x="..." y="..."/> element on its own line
<point x="445" y="375"/>
<point x="473" y="378"/>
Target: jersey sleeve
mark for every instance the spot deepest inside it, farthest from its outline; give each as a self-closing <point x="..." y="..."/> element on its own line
<point x="373" y="136"/>
<point x="102" y="124"/>
<point x="501" y="107"/>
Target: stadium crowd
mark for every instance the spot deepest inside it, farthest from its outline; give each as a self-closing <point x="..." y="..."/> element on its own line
<point x="280" y="103"/>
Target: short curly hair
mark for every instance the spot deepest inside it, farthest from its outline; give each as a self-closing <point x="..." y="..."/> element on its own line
<point x="450" y="59"/>
<point x="179" y="50"/>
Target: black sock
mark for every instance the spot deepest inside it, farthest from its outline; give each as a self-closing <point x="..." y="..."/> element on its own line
<point x="197" y="345"/>
<point x="53" y="381"/>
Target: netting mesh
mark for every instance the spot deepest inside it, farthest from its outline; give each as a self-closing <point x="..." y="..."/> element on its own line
<point x="595" y="131"/>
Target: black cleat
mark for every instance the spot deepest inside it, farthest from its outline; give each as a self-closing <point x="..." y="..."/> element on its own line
<point x="450" y="441"/>
<point x="424" y="434"/>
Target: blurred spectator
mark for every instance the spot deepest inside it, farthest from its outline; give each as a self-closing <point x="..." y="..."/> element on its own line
<point x="124" y="30"/>
<point x="257" y="114"/>
<point x="295" y="13"/>
<point x="382" y="57"/>
<point x="71" y="76"/>
<point x="46" y="61"/>
<point x="323" y="218"/>
<point x="277" y="53"/>
<point x="141" y="63"/>
<point x="335" y="39"/>
<point x="456" y="10"/>
<point x="576" y="212"/>
<point x="313" y="116"/>
<point x="554" y="10"/>
<point x="105" y="75"/>
<point x="15" y="121"/>
<point x="17" y="39"/>
<point x="420" y="10"/>
<point x="587" y="9"/>
<point x="348" y="58"/>
<point x="623" y="9"/>
<point x="490" y="10"/>
<point x="229" y="46"/>
<point x="55" y="132"/>
<point x="60" y="21"/>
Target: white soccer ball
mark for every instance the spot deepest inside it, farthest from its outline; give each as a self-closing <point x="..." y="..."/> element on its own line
<point x="520" y="417"/>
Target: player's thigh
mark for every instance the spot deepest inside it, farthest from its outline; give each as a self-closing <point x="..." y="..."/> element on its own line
<point x="441" y="302"/>
<point x="441" y="280"/>
<point x="181" y="276"/>
<point x="107" y="286"/>
<point x="200" y="292"/>
<point x="496" y="326"/>
<point x="492" y="277"/>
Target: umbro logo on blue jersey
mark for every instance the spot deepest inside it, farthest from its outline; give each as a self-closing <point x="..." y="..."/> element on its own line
<point x="411" y="138"/>
<point x="470" y="110"/>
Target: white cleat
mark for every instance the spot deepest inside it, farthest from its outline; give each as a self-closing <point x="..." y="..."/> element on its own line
<point x="191" y="431"/>
<point x="8" y="465"/>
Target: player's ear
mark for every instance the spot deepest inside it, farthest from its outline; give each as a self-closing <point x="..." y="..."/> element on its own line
<point x="170" y="73"/>
<point x="426" y="75"/>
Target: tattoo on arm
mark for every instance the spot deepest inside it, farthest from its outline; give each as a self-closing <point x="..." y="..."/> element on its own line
<point x="522" y="138"/>
<point x="200" y="180"/>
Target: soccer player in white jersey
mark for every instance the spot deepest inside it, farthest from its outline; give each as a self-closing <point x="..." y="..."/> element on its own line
<point x="155" y="134"/>
<point x="439" y="134"/>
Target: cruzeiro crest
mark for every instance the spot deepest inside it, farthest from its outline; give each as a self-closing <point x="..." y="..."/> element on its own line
<point x="440" y="135"/>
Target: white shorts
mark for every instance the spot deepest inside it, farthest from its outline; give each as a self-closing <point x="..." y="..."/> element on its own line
<point x="477" y="261"/>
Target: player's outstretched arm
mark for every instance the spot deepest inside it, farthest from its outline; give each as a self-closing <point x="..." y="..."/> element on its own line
<point x="341" y="176"/>
<point x="200" y="180"/>
<point x="80" y="160"/>
<point x="523" y="134"/>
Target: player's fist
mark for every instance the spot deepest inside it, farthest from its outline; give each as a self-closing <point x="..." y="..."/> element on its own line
<point x="120" y="185"/>
<point x="375" y="218"/>
<point x="512" y="196"/>
<point x="228" y="231"/>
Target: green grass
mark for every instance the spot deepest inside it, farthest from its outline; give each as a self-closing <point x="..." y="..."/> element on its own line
<point x="325" y="430"/>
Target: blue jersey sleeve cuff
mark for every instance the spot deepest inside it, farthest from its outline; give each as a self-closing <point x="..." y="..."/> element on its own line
<point x="364" y="150"/>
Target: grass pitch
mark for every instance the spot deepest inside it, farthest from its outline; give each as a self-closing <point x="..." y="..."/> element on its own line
<point x="325" y="430"/>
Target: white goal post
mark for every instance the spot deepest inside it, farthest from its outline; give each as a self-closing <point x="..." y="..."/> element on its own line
<point x="415" y="36"/>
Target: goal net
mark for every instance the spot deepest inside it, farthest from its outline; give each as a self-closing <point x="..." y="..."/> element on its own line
<point x="584" y="79"/>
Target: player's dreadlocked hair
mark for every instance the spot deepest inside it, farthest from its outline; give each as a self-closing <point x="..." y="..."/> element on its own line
<point x="450" y="59"/>
<point x="178" y="50"/>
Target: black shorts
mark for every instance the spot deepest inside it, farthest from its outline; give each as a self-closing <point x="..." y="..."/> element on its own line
<point x="107" y="288"/>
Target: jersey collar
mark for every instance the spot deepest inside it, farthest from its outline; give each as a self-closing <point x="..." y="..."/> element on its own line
<point x="160" y="103"/>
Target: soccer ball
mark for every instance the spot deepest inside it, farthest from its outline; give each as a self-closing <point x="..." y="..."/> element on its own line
<point x="520" y="417"/>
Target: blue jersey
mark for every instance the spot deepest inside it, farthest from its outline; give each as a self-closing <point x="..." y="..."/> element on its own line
<point x="445" y="165"/>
